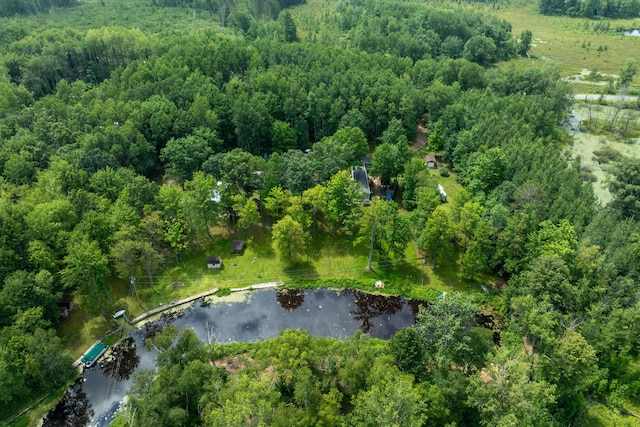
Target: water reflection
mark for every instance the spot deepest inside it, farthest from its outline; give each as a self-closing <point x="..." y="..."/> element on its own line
<point x="74" y="410"/>
<point x="261" y="315"/>
<point x="415" y="308"/>
<point x="289" y="298"/>
<point x="150" y="329"/>
<point x="369" y="306"/>
<point x="121" y="361"/>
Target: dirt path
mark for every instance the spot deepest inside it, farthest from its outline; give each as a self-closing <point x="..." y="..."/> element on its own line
<point x="421" y="138"/>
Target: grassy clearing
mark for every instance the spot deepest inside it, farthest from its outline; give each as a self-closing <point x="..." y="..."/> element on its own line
<point x="80" y="331"/>
<point x="572" y="43"/>
<point x="329" y="257"/>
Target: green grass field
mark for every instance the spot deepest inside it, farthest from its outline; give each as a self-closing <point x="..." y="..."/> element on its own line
<point x="573" y="44"/>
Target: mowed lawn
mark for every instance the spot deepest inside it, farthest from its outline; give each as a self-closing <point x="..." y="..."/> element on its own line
<point x="328" y="256"/>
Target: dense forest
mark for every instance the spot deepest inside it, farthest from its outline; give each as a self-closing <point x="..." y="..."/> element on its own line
<point x="113" y="141"/>
<point x="36" y="7"/>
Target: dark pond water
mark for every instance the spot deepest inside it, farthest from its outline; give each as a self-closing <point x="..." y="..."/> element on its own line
<point x="98" y="393"/>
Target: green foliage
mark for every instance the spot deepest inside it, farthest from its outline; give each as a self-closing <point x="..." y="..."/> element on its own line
<point x="547" y="279"/>
<point x="249" y="215"/>
<point x="86" y="271"/>
<point x="437" y="235"/>
<point x="92" y="115"/>
<point x="415" y="178"/>
<point x="480" y="49"/>
<point x="625" y="188"/>
<point x="342" y="196"/>
<point x="554" y="240"/>
<point x="283" y="137"/>
<point x="185" y="156"/>
<point x="289" y="27"/>
<point x="627" y="72"/>
<point x="277" y="202"/>
<point x="389" y="161"/>
<point x="444" y="326"/>
<point x="385" y="228"/>
<point x="392" y="400"/>
<point x="289" y="239"/>
<point x="508" y="396"/>
<point x="32" y="361"/>
<point x="407" y="347"/>
<point x="524" y="44"/>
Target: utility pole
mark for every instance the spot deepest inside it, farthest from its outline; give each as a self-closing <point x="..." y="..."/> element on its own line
<point x="373" y="226"/>
<point x="134" y="289"/>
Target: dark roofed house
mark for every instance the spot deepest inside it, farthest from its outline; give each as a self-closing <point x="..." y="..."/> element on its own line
<point x="237" y="246"/>
<point x="214" y="262"/>
<point x="359" y="174"/>
<point x="430" y="161"/>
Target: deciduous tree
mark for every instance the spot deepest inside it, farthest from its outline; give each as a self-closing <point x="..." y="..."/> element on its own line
<point x="289" y="239"/>
<point x="86" y="271"/>
<point x="437" y="235"/>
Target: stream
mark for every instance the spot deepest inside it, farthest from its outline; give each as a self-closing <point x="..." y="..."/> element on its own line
<point x="251" y="316"/>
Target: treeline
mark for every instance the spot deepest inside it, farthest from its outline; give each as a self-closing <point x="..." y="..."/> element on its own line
<point x="29" y="7"/>
<point x="265" y="9"/>
<point x="414" y="31"/>
<point x="592" y="9"/>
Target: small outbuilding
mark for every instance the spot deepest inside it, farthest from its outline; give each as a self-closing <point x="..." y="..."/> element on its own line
<point x="237" y="246"/>
<point x="65" y="308"/>
<point x="214" y="262"/>
<point x="430" y="161"/>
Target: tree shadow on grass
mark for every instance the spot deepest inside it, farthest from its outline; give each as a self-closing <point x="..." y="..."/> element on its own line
<point x="302" y="270"/>
<point x="259" y="243"/>
<point x="338" y="245"/>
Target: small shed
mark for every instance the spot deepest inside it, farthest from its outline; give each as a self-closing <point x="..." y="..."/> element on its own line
<point x="65" y="308"/>
<point x="430" y="161"/>
<point x="237" y="246"/>
<point x="214" y="262"/>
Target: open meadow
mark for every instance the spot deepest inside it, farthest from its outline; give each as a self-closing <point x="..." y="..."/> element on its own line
<point x="574" y="44"/>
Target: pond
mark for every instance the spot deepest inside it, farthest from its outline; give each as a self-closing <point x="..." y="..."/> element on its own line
<point x="248" y="316"/>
